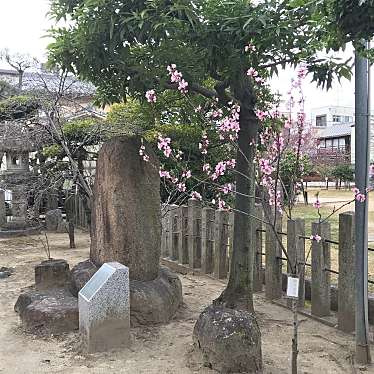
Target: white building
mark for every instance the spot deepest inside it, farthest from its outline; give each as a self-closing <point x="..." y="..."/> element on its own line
<point x="336" y="132"/>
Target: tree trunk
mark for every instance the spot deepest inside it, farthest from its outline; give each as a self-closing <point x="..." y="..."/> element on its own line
<point x="238" y="293"/>
<point x="71" y="235"/>
<point x="20" y="79"/>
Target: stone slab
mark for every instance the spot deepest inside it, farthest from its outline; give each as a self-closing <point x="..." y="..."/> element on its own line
<point x="104" y="309"/>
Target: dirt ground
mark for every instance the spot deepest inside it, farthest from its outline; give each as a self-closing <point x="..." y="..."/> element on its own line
<point x="165" y="349"/>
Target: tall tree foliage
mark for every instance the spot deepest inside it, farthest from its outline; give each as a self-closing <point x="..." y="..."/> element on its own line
<point x="123" y="47"/>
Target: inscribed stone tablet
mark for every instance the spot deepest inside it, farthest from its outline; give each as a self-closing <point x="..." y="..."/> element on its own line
<point x="104" y="309"/>
<point x="96" y="282"/>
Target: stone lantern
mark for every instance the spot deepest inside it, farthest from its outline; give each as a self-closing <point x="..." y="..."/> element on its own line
<point x="16" y="144"/>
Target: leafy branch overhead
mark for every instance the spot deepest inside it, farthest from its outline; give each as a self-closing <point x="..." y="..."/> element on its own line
<point x="123" y="47"/>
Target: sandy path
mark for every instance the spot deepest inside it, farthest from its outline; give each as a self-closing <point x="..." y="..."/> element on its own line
<point x="163" y="349"/>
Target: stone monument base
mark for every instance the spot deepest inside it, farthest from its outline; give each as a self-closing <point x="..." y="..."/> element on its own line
<point x="151" y="302"/>
<point x="51" y="306"/>
<point x="53" y="311"/>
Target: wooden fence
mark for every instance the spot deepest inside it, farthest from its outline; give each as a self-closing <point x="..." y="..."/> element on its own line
<point x="76" y="212"/>
<point x="201" y="238"/>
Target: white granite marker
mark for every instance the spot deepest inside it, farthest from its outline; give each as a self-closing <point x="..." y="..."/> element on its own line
<point x="104" y="309"/>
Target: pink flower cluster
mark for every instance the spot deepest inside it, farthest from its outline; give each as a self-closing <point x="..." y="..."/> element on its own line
<point x="151" y="96"/>
<point x="302" y="71"/>
<point x="275" y="199"/>
<point x="221" y="168"/>
<point x="177" y="77"/>
<point x="143" y="154"/>
<point x="221" y="204"/>
<point x="227" y="188"/>
<point x="361" y="197"/>
<point x="315" y="237"/>
<point x="251" y="72"/>
<point x="164" y="145"/>
<point x="265" y="166"/>
<point x="207" y="168"/>
<point x="196" y="195"/>
<point x="317" y="204"/>
<point x="186" y="174"/>
<point x="229" y="126"/>
<point x="181" y="187"/>
<point x="250" y="47"/>
<point x="203" y="145"/>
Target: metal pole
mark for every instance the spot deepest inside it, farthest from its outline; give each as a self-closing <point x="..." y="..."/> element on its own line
<point x="362" y="154"/>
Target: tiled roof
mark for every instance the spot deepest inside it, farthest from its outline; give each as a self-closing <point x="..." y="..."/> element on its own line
<point x="40" y="80"/>
<point x="335" y="130"/>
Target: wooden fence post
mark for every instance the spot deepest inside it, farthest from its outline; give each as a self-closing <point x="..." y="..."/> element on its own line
<point x="273" y="262"/>
<point x="296" y="254"/>
<point x="174" y="232"/>
<point x="230" y="239"/>
<point x="2" y="208"/>
<point x="321" y="279"/>
<point x="347" y="278"/>
<point x="221" y="243"/>
<point x="257" y="240"/>
<point x="194" y="233"/>
<point x="183" y="234"/>
<point x="207" y="245"/>
<point x="165" y="232"/>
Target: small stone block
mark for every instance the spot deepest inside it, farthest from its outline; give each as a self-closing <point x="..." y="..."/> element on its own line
<point x="104" y="309"/>
<point x="51" y="274"/>
<point x="53" y="220"/>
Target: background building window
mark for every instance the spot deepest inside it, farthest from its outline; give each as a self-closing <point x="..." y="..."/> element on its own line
<point x="321" y="121"/>
<point x="336" y="119"/>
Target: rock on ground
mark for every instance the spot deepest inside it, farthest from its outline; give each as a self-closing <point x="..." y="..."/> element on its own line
<point x="52" y="311"/>
<point x="229" y="340"/>
<point x="80" y="274"/>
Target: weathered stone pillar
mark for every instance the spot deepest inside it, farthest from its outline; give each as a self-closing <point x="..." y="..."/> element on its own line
<point x="296" y="254"/>
<point x="2" y="208"/>
<point x="320" y="288"/>
<point x="126" y="217"/>
<point x="257" y="239"/>
<point x="221" y="243"/>
<point x="207" y="245"/>
<point x="273" y="263"/>
<point x="347" y="278"/>
<point x="194" y="233"/>
<point x="183" y="234"/>
<point x="173" y="231"/>
<point x="19" y="205"/>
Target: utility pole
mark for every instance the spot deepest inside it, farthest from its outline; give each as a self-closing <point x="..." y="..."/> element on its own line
<point x="362" y="158"/>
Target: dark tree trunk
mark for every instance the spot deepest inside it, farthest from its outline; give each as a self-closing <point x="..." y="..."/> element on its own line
<point x="238" y="293"/>
<point x="71" y="235"/>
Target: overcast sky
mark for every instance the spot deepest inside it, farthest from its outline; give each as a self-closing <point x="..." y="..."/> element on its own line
<point x="24" y="25"/>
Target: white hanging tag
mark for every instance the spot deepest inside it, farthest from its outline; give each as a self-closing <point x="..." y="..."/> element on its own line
<point x="293" y="287"/>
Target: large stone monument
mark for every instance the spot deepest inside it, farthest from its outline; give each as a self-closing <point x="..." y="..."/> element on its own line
<point x="126" y="217"/>
<point x="126" y="227"/>
<point x="104" y="309"/>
